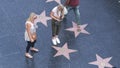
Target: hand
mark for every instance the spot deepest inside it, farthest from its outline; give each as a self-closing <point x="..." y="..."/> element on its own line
<point x="32" y="40"/>
<point x="34" y="36"/>
<point x="58" y="20"/>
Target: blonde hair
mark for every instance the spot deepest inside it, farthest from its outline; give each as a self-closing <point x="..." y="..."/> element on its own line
<point x="60" y="8"/>
<point x="31" y="17"/>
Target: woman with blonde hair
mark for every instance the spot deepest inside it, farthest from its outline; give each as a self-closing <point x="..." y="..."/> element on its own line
<point x="30" y="34"/>
<point x="57" y="14"/>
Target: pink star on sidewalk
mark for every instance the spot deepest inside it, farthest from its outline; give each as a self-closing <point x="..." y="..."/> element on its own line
<point x="42" y="18"/>
<point x="58" y="1"/>
<point x="63" y="51"/>
<point x="75" y="29"/>
<point x="101" y="63"/>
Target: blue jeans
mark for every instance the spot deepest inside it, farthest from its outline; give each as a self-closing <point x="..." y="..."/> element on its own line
<point x="77" y="13"/>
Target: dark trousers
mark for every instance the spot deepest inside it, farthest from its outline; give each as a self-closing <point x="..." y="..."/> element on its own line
<point x="55" y="27"/>
<point x="30" y="44"/>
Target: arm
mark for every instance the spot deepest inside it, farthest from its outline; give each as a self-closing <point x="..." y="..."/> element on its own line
<point x="28" y="31"/>
<point x="54" y="17"/>
<point x="63" y="14"/>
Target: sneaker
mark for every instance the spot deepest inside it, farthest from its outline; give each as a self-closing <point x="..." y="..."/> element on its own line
<point x="34" y="49"/>
<point x="28" y="55"/>
<point x="58" y="40"/>
<point x="54" y="41"/>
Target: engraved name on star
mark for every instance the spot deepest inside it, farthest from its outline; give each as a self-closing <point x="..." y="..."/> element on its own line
<point x="102" y="63"/>
<point x="58" y="1"/>
<point x="63" y="51"/>
<point x="75" y="29"/>
<point x="42" y="18"/>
